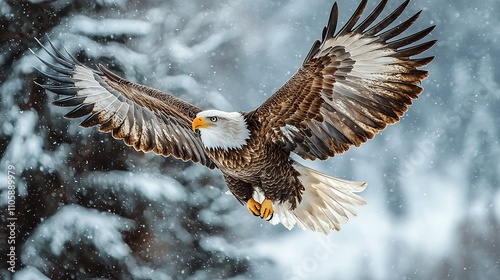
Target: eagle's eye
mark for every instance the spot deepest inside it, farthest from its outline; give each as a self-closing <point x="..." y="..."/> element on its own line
<point x="213" y="119"/>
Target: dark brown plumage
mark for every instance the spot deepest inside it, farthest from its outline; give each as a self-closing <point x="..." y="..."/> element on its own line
<point x="352" y="84"/>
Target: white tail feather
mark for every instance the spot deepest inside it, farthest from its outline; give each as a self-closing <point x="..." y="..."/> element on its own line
<point x="326" y="202"/>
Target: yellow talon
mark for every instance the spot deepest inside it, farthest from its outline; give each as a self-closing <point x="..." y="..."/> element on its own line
<point x="254" y="207"/>
<point x="266" y="209"/>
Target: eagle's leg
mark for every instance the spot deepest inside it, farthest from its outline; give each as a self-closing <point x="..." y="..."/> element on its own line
<point x="266" y="209"/>
<point x="254" y="207"/>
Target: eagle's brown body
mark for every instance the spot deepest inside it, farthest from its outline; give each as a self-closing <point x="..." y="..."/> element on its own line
<point x="352" y="84"/>
<point x="248" y="169"/>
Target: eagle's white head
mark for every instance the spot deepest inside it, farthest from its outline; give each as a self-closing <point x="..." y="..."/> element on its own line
<point x="221" y="130"/>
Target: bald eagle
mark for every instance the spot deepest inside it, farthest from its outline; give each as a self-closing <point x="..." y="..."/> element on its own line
<point x="352" y="84"/>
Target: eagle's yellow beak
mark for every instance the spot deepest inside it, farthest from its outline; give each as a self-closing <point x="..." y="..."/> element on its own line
<point x="199" y="122"/>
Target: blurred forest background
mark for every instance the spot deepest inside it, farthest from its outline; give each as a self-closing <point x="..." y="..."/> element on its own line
<point x="87" y="206"/>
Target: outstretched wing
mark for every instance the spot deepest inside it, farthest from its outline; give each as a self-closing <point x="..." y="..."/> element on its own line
<point x="350" y="86"/>
<point x="145" y="118"/>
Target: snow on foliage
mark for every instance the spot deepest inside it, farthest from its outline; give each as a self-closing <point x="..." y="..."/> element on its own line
<point x="108" y="27"/>
<point x="153" y="187"/>
<point x="30" y="273"/>
<point x="74" y="224"/>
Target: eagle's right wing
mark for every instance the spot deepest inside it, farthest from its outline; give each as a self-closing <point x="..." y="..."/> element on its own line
<point x="145" y="118"/>
<point x="352" y="84"/>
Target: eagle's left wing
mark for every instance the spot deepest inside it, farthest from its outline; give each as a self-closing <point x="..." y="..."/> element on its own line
<point x="146" y="118"/>
<point x="350" y="86"/>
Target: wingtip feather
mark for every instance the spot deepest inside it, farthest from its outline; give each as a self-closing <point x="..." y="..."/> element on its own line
<point x="332" y="22"/>
<point x="80" y="111"/>
<point x="354" y="18"/>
